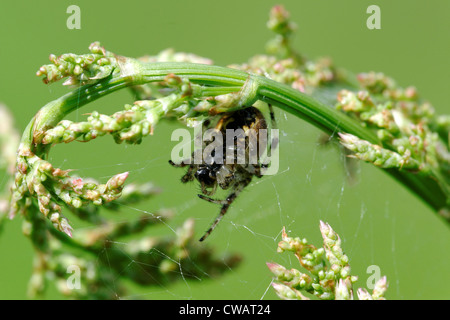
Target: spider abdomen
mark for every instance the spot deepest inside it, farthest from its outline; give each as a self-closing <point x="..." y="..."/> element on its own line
<point x="238" y="160"/>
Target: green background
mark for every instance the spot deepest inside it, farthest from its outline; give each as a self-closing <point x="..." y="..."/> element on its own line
<point x="379" y="221"/>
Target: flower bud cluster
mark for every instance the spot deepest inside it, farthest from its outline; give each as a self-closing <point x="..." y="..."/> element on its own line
<point x="412" y="136"/>
<point x="37" y="178"/>
<point x="328" y="271"/>
<point x="82" y="69"/>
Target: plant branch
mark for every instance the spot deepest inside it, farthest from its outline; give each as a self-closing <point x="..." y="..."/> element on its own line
<point x="215" y="80"/>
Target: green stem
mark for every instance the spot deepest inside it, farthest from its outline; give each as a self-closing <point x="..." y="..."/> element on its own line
<point x="220" y="80"/>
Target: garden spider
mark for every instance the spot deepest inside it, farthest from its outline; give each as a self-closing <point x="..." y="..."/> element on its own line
<point x="235" y="175"/>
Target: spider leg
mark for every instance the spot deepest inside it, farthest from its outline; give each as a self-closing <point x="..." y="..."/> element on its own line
<point x="274" y="142"/>
<point x="216" y="201"/>
<point x="189" y="175"/>
<point x="179" y="165"/>
<point x="205" y="190"/>
<point x="225" y="205"/>
<point x="272" y="146"/>
<point x="254" y="169"/>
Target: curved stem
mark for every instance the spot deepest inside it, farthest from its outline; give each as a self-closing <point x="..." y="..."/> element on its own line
<point x="428" y="188"/>
<point x="303" y="106"/>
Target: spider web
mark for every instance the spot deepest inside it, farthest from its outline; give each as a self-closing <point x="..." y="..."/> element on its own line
<point x="380" y="223"/>
<point x="377" y="220"/>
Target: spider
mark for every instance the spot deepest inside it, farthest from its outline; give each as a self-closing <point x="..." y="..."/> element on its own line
<point x="235" y="175"/>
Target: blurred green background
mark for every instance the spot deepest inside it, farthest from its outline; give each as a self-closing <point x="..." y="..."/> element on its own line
<point x="379" y="221"/>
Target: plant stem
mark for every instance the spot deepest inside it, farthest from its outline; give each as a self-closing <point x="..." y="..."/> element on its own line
<point x="221" y="80"/>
